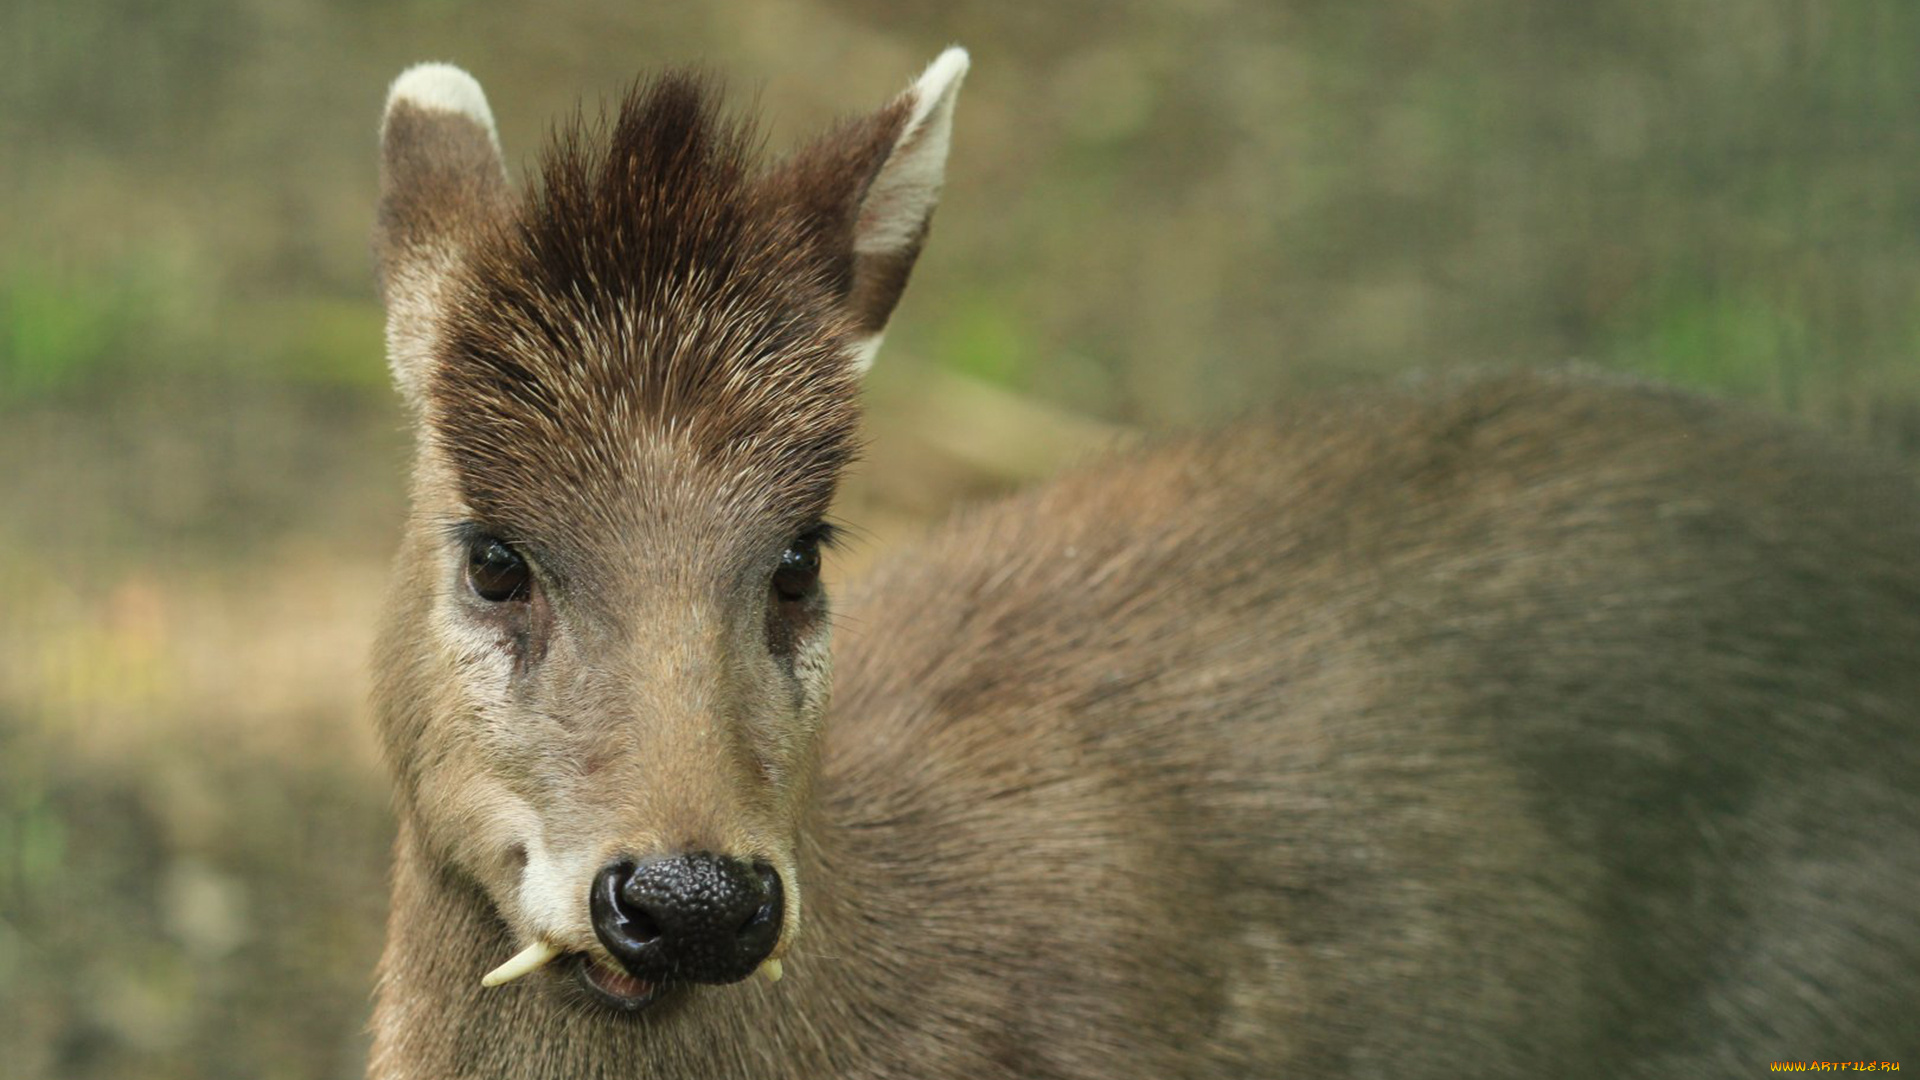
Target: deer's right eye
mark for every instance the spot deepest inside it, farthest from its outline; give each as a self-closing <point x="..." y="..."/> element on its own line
<point x="496" y="573"/>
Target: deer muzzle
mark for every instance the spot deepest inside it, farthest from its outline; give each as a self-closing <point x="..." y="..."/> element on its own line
<point x="689" y="918"/>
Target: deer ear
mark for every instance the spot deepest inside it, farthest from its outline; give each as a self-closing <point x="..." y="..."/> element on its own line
<point x="442" y="180"/>
<point x="874" y="183"/>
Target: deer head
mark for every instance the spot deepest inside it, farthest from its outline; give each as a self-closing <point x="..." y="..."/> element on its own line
<point x="634" y="387"/>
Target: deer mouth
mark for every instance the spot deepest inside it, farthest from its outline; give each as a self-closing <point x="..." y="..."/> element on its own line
<point x="613" y="987"/>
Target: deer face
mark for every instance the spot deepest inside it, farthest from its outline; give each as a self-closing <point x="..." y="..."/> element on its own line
<point x="635" y="389"/>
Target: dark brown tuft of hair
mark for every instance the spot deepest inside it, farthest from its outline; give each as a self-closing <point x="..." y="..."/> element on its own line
<point x="654" y="287"/>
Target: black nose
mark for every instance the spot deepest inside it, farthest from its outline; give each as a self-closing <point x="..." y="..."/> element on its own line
<point x="698" y="918"/>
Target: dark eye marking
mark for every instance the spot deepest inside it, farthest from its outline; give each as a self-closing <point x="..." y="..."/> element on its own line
<point x="495" y="572"/>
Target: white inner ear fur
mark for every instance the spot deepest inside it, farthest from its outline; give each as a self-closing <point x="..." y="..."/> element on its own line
<point x="443" y="88"/>
<point x="908" y="185"/>
<point x="415" y="290"/>
<point x="865" y="350"/>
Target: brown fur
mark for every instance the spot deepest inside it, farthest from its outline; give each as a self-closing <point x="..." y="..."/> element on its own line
<point x="654" y="284"/>
<point x="1534" y="725"/>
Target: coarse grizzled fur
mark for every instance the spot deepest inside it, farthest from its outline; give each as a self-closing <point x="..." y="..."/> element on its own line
<point x="1524" y="725"/>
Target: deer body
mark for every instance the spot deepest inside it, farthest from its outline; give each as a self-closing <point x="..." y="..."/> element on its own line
<point x="1533" y="725"/>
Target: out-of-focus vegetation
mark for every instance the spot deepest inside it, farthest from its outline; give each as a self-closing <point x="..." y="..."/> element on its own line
<point x="1157" y="213"/>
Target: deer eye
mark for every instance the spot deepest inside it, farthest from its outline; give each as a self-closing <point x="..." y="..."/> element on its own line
<point x="496" y="573"/>
<point x="799" y="572"/>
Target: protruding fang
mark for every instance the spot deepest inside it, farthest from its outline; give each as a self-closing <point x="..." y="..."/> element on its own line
<point x="770" y="971"/>
<point x="525" y="962"/>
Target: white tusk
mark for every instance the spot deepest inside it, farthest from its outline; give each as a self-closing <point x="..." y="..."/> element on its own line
<point x="770" y="971"/>
<point x="525" y="962"/>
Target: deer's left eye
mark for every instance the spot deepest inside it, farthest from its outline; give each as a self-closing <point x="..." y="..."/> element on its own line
<point x="496" y="572"/>
<point x="799" y="572"/>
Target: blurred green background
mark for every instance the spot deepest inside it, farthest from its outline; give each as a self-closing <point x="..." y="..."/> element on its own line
<point x="1157" y="213"/>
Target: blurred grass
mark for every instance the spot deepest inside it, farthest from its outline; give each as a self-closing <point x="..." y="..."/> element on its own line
<point x="146" y="929"/>
<point x="1157" y="213"/>
<point x="64" y="330"/>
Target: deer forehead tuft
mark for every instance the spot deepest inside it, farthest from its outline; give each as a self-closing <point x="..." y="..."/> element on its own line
<point x="656" y="285"/>
<point x="651" y="231"/>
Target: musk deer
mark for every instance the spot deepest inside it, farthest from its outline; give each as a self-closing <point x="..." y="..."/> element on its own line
<point x="1524" y="725"/>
